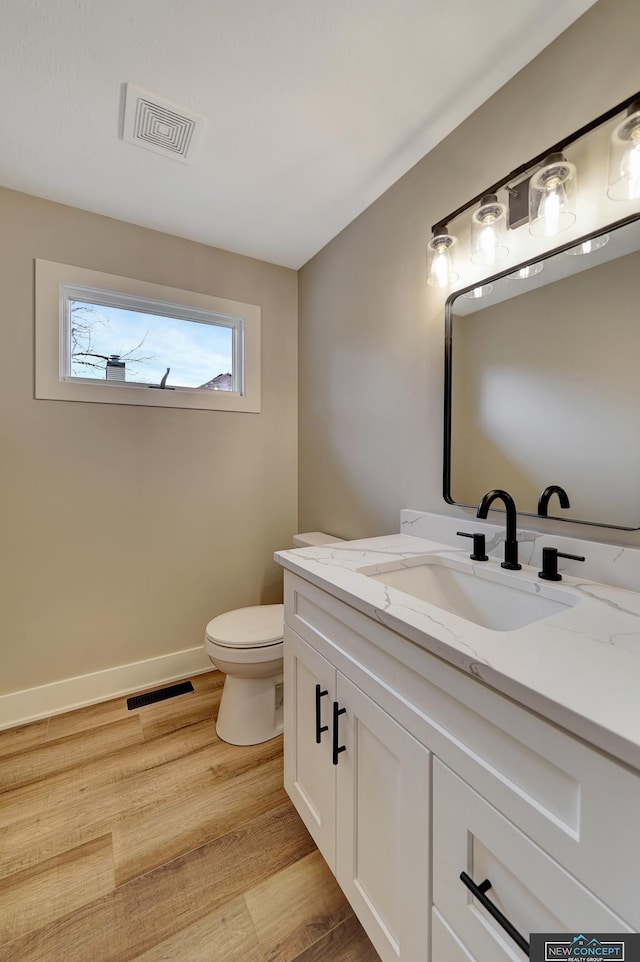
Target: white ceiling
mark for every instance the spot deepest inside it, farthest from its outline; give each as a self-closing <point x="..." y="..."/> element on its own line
<point x="314" y="107"/>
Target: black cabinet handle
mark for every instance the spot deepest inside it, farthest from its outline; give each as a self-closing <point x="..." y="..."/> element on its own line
<point x="478" y="891"/>
<point x="337" y="748"/>
<point x="319" y="727"/>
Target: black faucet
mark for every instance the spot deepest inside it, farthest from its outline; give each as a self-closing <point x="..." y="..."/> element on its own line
<point x="510" y="544"/>
<point x="543" y="500"/>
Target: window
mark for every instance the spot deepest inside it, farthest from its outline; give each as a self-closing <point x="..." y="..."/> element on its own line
<point x="112" y="339"/>
<point x="147" y="343"/>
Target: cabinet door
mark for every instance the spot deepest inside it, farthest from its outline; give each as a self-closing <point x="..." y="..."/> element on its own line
<point x="383" y="825"/>
<point x="309" y="776"/>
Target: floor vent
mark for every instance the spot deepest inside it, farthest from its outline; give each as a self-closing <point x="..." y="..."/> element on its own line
<point x="151" y="697"/>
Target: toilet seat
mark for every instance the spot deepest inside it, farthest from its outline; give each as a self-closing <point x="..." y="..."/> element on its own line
<point x="261" y="626"/>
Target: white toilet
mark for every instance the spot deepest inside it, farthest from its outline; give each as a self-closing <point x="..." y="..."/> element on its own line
<point x="247" y="645"/>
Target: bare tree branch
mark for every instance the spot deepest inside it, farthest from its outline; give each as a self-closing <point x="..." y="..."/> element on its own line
<point x="84" y="319"/>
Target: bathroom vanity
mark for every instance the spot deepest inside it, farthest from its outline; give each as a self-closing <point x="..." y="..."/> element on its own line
<point x="428" y="753"/>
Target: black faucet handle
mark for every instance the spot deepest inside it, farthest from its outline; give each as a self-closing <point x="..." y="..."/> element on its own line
<point x="479" y="548"/>
<point x="550" y="563"/>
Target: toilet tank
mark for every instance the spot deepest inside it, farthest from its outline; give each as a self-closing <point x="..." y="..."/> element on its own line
<point x="312" y="538"/>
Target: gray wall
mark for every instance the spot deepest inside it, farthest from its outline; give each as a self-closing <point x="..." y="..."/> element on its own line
<point x="125" y="529"/>
<point x="371" y="331"/>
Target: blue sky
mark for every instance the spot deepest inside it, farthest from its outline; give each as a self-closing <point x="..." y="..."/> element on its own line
<point x="195" y="352"/>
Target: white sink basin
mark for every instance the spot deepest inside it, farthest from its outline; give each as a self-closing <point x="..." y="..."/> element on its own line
<point x="474" y="593"/>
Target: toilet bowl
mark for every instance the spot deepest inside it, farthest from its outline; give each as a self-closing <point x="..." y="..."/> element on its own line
<point x="247" y="644"/>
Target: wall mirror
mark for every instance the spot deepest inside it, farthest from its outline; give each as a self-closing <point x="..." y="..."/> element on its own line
<point x="542" y="382"/>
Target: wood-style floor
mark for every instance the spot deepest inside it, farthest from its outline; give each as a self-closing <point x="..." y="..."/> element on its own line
<point x="139" y="835"/>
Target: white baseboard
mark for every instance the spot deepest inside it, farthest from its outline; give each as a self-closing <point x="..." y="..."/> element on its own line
<point x="20" y="707"/>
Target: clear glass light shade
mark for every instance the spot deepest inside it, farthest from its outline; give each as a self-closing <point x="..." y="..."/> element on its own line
<point x="589" y="246"/>
<point x="489" y="232"/>
<point x="552" y="197"/>
<point x="624" y="158"/>
<point x="441" y="270"/>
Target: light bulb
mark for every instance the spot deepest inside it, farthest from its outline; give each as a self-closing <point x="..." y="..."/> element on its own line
<point x="551" y="206"/>
<point x="552" y="197"/>
<point x="634" y="169"/>
<point x="624" y="157"/>
<point x="440" y="268"/>
<point x="489" y="232"/>
<point x="488" y="242"/>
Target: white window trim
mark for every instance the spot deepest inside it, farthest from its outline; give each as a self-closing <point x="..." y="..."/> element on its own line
<point x="55" y="282"/>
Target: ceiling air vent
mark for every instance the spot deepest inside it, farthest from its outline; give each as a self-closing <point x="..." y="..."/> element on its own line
<point x="159" y="125"/>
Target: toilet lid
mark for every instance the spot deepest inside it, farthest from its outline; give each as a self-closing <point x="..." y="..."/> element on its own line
<point x="254" y="627"/>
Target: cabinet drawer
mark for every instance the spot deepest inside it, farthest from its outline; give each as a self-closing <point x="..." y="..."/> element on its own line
<point x="573" y="801"/>
<point x="528" y="887"/>
<point x="445" y="945"/>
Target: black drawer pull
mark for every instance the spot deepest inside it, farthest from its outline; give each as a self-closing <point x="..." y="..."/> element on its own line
<point x="337" y="748"/>
<point x="478" y="891"/>
<point x="319" y="728"/>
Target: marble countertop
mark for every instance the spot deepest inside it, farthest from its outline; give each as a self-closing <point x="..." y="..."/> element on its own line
<point x="580" y="667"/>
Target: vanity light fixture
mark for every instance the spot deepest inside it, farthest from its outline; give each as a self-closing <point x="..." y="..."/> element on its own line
<point x="489" y="231"/>
<point x="552" y="197"/>
<point x="624" y="157"/>
<point x="541" y="193"/>
<point x="440" y="264"/>
<point x="525" y="272"/>
<point x="589" y="246"/>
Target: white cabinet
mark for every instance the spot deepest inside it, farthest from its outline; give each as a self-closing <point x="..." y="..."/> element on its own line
<point x="435" y="775"/>
<point x="360" y="782"/>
